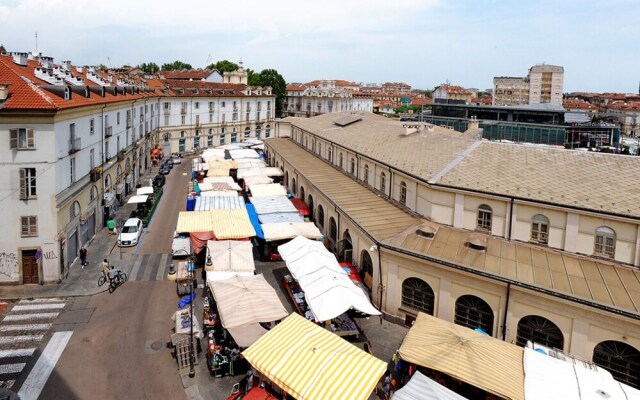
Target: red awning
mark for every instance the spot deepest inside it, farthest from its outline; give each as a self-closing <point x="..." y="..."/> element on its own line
<point x="301" y="206"/>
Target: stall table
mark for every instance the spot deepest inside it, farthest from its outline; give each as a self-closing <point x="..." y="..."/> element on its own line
<point x="342" y="325"/>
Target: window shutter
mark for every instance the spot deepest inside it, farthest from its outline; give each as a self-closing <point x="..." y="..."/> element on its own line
<point x="23" y="184"/>
<point x="33" y="225"/>
<point x="24" y="222"/>
<point x="14" y="138"/>
<point x="30" y="140"/>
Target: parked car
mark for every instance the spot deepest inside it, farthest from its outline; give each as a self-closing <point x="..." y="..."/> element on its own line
<point x="159" y="181"/>
<point x="168" y="162"/>
<point x="164" y="169"/>
<point x="176" y="159"/>
<point x="131" y="232"/>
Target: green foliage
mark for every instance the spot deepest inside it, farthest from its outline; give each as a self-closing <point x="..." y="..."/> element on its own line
<point x="253" y="79"/>
<point x="223" y="66"/>
<point x="147" y="218"/>
<point x="149" y="68"/>
<point x="406" y="108"/>
<point x="271" y="77"/>
<point x="176" y="65"/>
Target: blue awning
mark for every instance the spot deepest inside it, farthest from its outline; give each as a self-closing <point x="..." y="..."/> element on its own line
<point x="253" y="217"/>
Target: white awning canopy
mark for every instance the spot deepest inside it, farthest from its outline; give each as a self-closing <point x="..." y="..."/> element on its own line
<point x="288" y="230"/>
<point x="138" y="199"/>
<point x="144" y="190"/>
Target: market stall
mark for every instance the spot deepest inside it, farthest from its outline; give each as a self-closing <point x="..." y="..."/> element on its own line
<point x="237" y="154"/>
<point x="275" y="218"/>
<point x="273" y="204"/>
<point x="480" y="360"/>
<point x="301" y="206"/>
<point x="253" y="171"/>
<point x="267" y="190"/>
<point x="421" y="387"/>
<point x="206" y="203"/>
<point x="230" y="258"/>
<point x="288" y="230"/>
<point x="314" y="364"/>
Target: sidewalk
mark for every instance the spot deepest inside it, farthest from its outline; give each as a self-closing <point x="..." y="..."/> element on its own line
<point x="79" y="281"/>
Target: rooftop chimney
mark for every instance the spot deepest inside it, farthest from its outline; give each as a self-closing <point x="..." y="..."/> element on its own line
<point x="20" y="58"/>
<point x="4" y="92"/>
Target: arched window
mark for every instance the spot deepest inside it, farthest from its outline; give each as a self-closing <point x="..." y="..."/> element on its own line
<point x="247" y="132"/>
<point x="333" y="231"/>
<point x="605" y="244"/>
<point x="383" y="182"/>
<point x="320" y="148"/>
<point x="367" y="268"/>
<point x="353" y="166"/>
<point x="484" y="217"/>
<point x="74" y="210"/>
<point x="473" y="312"/>
<point x="294" y="189"/>
<point x="119" y="171"/>
<point x="621" y="359"/>
<point x="258" y="131"/>
<point x="286" y="178"/>
<point x="539" y="330"/>
<point x="329" y="155"/>
<point x="540" y="229"/>
<point x="403" y="192"/>
<point x="366" y="174"/>
<point x="418" y="295"/>
<point x="302" y="193"/>
<point x="320" y="218"/>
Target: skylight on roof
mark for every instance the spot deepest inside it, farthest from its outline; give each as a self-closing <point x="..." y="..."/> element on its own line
<point x="348" y="120"/>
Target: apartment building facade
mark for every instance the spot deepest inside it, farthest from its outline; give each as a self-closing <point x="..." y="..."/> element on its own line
<point x="77" y="140"/>
<point x="543" y="84"/>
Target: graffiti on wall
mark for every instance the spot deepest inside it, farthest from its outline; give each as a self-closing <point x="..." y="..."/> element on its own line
<point x="9" y="265"/>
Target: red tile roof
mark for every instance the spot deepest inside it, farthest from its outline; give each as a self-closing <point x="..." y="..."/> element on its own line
<point x="454" y="89"/>
<point x="187" y="74"/>
<point x="339" y="82"/>
<point x="293" y="87"/>
<point x="27" y="92"/>
<point x="577" y="104"/>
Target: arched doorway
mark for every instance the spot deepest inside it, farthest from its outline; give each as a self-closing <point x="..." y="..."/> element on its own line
<point x="475" y="313"/>
<point x="366" y="270"/>
<point x="345" y="248"/>
<point x="294" y="189"/>
<point x="302" y="193"/>
<point x="333" y="235"/>
<point x="310" y="204"/>
<point x="621" y="359"/>
<point x="320" y="219"/>
<point x="539" y="330"/>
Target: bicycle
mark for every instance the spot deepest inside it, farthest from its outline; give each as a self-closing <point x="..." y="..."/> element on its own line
<point x="117" y="281"/>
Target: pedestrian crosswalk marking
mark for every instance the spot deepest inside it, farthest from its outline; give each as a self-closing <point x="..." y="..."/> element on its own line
<point x="20" y="339"/>
<point x="24" y="317"/>
<point x="33" y="307"/>
<point x="44" y="300"/>
<point x="27" y="327"/>
<point x="17" y="352"/>
<point x="11" y="368"/>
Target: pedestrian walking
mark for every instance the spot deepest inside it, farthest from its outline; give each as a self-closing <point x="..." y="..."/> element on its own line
<point x="105" y="269"/>
<point x="83" y="257"/>
<point x="111" y="226"/>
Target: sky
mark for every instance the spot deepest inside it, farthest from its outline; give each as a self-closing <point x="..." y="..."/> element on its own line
<point x="420" y="42"/>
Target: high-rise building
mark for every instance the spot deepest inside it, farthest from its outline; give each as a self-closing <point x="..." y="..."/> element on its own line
<point x="543" y="84"/>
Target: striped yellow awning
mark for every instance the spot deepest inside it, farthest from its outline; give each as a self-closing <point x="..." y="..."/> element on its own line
<point x="221" y="167"/>
<point x="472" y="357"/>
<point x="194" y="221"/>
<point x="311" y="363"/>
<point x="224" y="223"/>
<point x="231" y="223"/>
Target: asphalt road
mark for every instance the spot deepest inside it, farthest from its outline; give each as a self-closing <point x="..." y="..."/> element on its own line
<point x="122" y="351"/>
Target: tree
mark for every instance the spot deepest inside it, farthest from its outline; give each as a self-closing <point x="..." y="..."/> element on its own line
<point x="149" y="68"/>
<point x="271" y="77"/>
<point x="224" y="66"/>
<point x="176" y="65"/>
<point x="253" y="79"/>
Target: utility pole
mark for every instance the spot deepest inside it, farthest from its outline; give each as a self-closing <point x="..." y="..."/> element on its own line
<point x="36" y="41"/>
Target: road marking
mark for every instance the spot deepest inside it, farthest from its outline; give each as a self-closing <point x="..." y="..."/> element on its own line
<point x="163" y="268"/>
<point x="134" y="270"/>
<point x="11" y="368"/>
<point x="48" y="300"/>
<point x="20" y="338"/>
<point x="33" y="307"/>
<point x="32" y="386"/>
<point x="17" y="353"/>
<point x="28" y="327"/>
<point x="24" y="317"/>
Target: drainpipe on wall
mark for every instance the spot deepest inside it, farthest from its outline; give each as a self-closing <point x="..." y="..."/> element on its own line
<point x="380" y="285"/>
<point x="506" y="312"/>
<point x="510" y="220"/>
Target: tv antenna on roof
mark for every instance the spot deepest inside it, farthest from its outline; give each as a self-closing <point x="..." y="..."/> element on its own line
<point x="36" y="42"/>
<point x="109" y="59"/>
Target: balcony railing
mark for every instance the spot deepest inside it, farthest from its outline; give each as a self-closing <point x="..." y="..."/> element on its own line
<point x="74" y="145"/>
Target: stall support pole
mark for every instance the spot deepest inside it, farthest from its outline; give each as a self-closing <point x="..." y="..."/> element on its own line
<point x="192" y="371"/>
